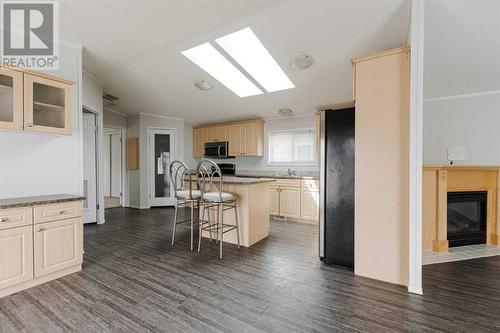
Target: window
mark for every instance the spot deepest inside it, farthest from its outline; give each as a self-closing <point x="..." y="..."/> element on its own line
<point x="296" y="147"/>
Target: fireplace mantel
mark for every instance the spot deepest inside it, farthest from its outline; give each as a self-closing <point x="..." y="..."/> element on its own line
<point x="438" y="181"/>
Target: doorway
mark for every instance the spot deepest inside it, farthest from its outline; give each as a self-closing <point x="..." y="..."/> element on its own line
<point x="161" y="153"/>
<point x="113" y="167"/>
<point x="89" y="166"/>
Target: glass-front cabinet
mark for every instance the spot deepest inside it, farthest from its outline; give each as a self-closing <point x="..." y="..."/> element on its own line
<point x="47" y="105"/>
<point x="11" y="99"/>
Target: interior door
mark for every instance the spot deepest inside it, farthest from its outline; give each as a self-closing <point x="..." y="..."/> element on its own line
<point x="161" y="152"/>
<point x="89" y="168"/>
<point x="116" y="164"/>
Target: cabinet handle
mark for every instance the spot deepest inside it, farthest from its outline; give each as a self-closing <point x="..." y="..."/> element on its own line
<point x="39" y="229"/>
<point x="3" y="219"/>
<point x="29" y="124"/>
<point x="61" y="211"/>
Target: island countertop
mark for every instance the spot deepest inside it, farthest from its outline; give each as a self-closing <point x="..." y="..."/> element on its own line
<point x="230" y="179"/>
<point x="38" y="200"/>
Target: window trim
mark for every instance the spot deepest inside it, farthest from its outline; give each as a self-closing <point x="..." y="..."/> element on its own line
<point x="295" y="130"/>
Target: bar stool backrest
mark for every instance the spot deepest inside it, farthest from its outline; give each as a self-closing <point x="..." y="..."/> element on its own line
<point x="179" y="175"/>
<point x="209" y="177"/>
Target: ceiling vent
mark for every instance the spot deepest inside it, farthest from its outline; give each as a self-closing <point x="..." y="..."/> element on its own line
<point x="109" y="99"/>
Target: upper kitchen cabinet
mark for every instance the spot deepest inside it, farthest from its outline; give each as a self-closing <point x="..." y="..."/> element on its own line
<point x="254" y="139"/>
<point x="244" y="138"/>
<point x="47" y="105"/>
<point x="11" y="99"/>
<point x="199" y="139"/>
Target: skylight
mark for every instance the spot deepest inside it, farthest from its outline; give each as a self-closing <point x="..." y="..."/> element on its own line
<point x="244" y="47"/>
<point x="214" y="63"/>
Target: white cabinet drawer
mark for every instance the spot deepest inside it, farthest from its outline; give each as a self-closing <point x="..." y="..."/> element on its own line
<point x="15" y="217"/>
<point x="58" y="211"/>
<point x="287" y="182"/>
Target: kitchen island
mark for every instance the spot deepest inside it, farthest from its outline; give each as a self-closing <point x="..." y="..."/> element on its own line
<point x="253" y="209"/>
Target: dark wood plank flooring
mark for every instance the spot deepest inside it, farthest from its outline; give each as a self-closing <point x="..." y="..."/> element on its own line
<point x="134" y="281"/>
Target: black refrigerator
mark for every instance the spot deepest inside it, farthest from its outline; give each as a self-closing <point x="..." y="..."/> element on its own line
<point x="337" y="187"/>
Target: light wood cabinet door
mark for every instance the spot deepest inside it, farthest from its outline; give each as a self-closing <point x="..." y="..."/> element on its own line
<point x="309" y="209"/>
<point x="47" y="105"/>
<point x="11" y="99"/>
<point x="214" y="134"/>
<point x="235" y="139"/>
<point x="199" y="137"/>
<point x="253" y="139"/>
<point x="57" y="245"/>
<point x="290" y="202"/>
<point x="16" y="256"/>
<point x="274" y="197"/>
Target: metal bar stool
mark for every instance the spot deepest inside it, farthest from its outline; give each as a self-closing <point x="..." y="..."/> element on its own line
<point x="212" y="196"/>
<point x="184" y="195"/>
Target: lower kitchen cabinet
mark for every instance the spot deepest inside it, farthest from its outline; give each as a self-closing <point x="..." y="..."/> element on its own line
<point x="58" y="245"/>
<point x="274" y="200"/>
<point x="295" y="198"/>
<point x="16" y="256"/>
<point x="39" y="243"/>
<point x="309" y="205"/>
<point x="290" y="202"/>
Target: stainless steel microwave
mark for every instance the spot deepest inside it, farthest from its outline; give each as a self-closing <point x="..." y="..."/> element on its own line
<point x="216" y="149"/>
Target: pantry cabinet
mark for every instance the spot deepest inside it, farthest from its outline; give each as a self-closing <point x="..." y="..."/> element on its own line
<point x="244" y="138"/>
<point x="11" y="99"/>
<point x="35" y="102"/>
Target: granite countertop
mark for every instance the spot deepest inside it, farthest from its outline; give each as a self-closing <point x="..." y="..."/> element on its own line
<point x="239" y="180"/>
<point x="38" y="200"/>
<point x="275" y="176"/>
<point x="245" y="180"/>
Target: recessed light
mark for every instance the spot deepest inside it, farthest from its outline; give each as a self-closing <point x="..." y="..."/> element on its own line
<point x="248" y="51"/>
<point x="301" y="61"/>
<point x="203" y="85"/>
<point x="214" y="63"/>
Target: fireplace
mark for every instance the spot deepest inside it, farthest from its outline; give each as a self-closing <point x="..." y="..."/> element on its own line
<point x="467" y="218"/>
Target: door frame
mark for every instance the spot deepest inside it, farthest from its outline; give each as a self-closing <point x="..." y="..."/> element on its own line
<point x="150" y="158"/>
<point x="124" y="190"/>
<point x="98" y="162"/>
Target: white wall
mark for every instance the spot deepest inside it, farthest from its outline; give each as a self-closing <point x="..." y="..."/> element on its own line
<point x="261" y="163"/>
<point x="470" y="121"/>
<point x="114" y="119"/>
<point x="41" y="164"/>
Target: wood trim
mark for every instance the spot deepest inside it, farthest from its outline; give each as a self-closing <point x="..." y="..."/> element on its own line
<point x="440" y="245"/>
<point x="382" y="54"/>
<point x="39" y="74"/>
<point x="39" y="280"/>
<point x="230" y="123"/>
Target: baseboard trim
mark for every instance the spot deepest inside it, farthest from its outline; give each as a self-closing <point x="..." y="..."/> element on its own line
<point x="40" y="280"/>
<point x="415" y="290"/>
<point x="137" y="207"/>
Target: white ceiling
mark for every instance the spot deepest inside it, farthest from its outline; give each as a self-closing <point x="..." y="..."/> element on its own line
<point x="133" y="47"/>
<point x="462" y="47"/>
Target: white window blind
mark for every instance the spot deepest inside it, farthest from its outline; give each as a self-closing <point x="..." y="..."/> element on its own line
<point x="292" y="147"/>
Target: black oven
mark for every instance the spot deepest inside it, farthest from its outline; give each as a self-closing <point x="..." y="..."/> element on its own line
<point x="216" y="149"/>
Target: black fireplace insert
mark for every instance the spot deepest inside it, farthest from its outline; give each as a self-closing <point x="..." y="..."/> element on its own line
<point x="466" y="218"/>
